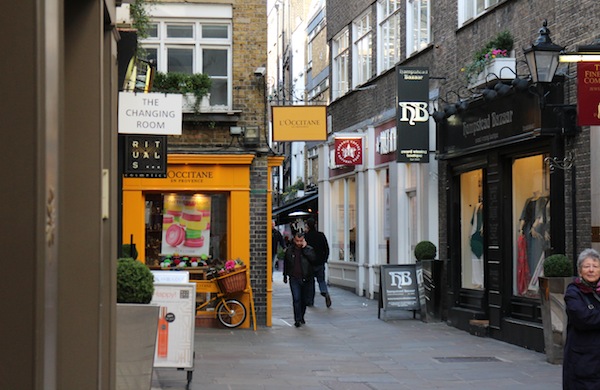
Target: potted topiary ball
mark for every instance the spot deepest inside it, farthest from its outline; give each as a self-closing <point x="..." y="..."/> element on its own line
<point x="557" y="265"/>
<point x="135" y="282"/>
<point x="137" y="324"/>
<point x="425" y="250"/>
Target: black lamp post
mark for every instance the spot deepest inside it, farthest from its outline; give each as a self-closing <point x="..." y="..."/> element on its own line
<point x="542" y="57"/>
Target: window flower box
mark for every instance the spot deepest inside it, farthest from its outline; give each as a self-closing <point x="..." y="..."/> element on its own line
<point x="504" y="68"/>
<point x="189" y="103"/>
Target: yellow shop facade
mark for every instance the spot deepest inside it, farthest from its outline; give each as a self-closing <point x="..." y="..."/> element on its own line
<point x="210" y="196"/>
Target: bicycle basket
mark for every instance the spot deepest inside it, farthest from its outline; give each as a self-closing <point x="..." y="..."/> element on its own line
<point x="233" y="282"/>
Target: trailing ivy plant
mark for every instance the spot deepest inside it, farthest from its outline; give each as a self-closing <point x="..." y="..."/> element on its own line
<point x="197" y="84"/>
<point x="500" y="46"/>
<point x="140" y="17"/>
<point x="140" y="21"/>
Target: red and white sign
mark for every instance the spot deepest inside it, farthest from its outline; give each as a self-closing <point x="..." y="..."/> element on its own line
<point x="588" y="93"/>
<point x="348" y="151"/>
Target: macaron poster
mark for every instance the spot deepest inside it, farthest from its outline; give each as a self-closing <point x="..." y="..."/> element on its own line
<point x="186" y="225"/>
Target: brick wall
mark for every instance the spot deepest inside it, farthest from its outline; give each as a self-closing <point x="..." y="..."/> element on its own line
<point x="259" y="227"/>
<point x="452" y="48"/>
<point x="209" y="133"/>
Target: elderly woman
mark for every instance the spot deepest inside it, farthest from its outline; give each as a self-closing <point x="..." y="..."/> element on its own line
<point x="581" y="365"/>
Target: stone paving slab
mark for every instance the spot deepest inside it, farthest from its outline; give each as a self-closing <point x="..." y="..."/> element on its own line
<point x="346" y="347"/>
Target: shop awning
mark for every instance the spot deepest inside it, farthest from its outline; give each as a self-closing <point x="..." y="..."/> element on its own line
<point x="300" y="208"/>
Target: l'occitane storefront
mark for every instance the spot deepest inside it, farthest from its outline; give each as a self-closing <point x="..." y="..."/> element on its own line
<point x="201" y="209"/>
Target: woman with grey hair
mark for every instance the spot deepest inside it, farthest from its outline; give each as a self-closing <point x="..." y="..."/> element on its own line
<point x="581" y="363"/>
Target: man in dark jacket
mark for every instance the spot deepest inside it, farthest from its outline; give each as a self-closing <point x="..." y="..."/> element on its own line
<point x="298" y="267"/>
<point x="276" y="241"/>
<point x="318" y="241"/>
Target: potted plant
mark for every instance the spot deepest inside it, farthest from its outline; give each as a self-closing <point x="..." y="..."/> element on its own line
<point x="425" y="250"/>
<point x="137" y="324"/>
<point x="194" y="87"/>
<point x="130" y="250"/>
<point x="558" y="273"/>
<point x="425" y="253"/>
<point x="491" y="58"/>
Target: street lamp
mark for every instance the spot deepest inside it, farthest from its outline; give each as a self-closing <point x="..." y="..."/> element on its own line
<point x="542" y="57"/>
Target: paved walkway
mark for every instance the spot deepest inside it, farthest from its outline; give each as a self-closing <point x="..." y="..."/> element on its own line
<point x="346" y="347"/>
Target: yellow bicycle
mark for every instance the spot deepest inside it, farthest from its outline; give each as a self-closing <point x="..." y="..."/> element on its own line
<point x="230" y="312"/>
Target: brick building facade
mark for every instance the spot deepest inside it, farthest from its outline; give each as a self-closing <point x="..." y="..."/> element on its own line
<point x="228" y="41"/>
<point x="454" y="37"/>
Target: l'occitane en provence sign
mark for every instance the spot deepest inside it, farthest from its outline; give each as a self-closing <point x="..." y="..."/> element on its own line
<point x="299" y="123"/>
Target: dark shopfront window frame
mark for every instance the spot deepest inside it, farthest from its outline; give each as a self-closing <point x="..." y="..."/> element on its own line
<point x="500" y="278"/>
<point x="520" y="307"/>
<point x="464" y="298"/>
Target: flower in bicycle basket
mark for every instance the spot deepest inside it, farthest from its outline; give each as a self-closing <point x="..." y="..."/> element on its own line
<point x="230" y="265"/>
<point x="222" y="267"/>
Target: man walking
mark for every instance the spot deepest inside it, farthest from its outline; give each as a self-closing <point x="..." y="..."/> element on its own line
<point x="298" y="266"/>
<point x="318" y="241"/>
<point x="276" y="241"/>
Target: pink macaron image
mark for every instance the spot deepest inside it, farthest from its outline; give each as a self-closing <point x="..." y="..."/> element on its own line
<point x="194" y="242"/>
<point x="175" y="213"/>
<point x="191" y="217"/>
<point x="175" y="235"/>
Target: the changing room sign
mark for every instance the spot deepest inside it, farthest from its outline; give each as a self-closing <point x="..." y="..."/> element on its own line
<point x="412" y="114"/>
<point x="150" y="113"/>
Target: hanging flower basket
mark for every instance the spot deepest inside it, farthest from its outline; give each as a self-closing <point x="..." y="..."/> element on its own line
<point x="233" y="282"/>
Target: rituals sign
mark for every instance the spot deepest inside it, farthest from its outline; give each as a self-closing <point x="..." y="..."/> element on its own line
<point x="145" y="156"/>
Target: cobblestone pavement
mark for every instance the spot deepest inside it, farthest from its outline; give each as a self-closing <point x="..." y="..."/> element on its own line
<point x="346" y="347"/>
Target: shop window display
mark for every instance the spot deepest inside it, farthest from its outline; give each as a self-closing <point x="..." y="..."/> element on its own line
<point x="344" y="223"/>
<point x="531" y="211"/>
<point x="185" y="225"/>
<point x="472" y="231"/>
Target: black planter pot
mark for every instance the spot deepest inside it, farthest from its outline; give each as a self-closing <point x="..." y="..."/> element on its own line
<point x="433" y="282"/>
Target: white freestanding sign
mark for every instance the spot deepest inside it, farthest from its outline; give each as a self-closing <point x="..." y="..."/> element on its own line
<point x="171" y="276"/>
<point x="176" y="323"/>
<point x="150" y="113"/>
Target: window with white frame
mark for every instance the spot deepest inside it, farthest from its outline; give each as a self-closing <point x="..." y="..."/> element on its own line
<point x="362" y="51"/>
<point x="470" y="9"/>
<point x="418" y="25"/>
<point x="388" y="34"/>
<point x="194" y="46"/>
<point x="312" y="164"/>
<point x="309" y="53"/>
<point x="413" y="211"/>
<point x="309" y="47"/>
<point x="343" y="219"/>
<point x="340" y="63"/>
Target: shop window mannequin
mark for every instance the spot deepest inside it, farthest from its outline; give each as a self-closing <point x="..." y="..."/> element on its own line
<point x="535" y="229"/>
<point x="476" y="242"/>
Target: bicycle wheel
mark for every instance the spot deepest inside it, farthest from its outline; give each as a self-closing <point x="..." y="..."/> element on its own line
<point x="231" y="313"/>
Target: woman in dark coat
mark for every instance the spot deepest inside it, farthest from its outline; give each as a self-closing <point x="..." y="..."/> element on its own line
<point x="581" y="364"/>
